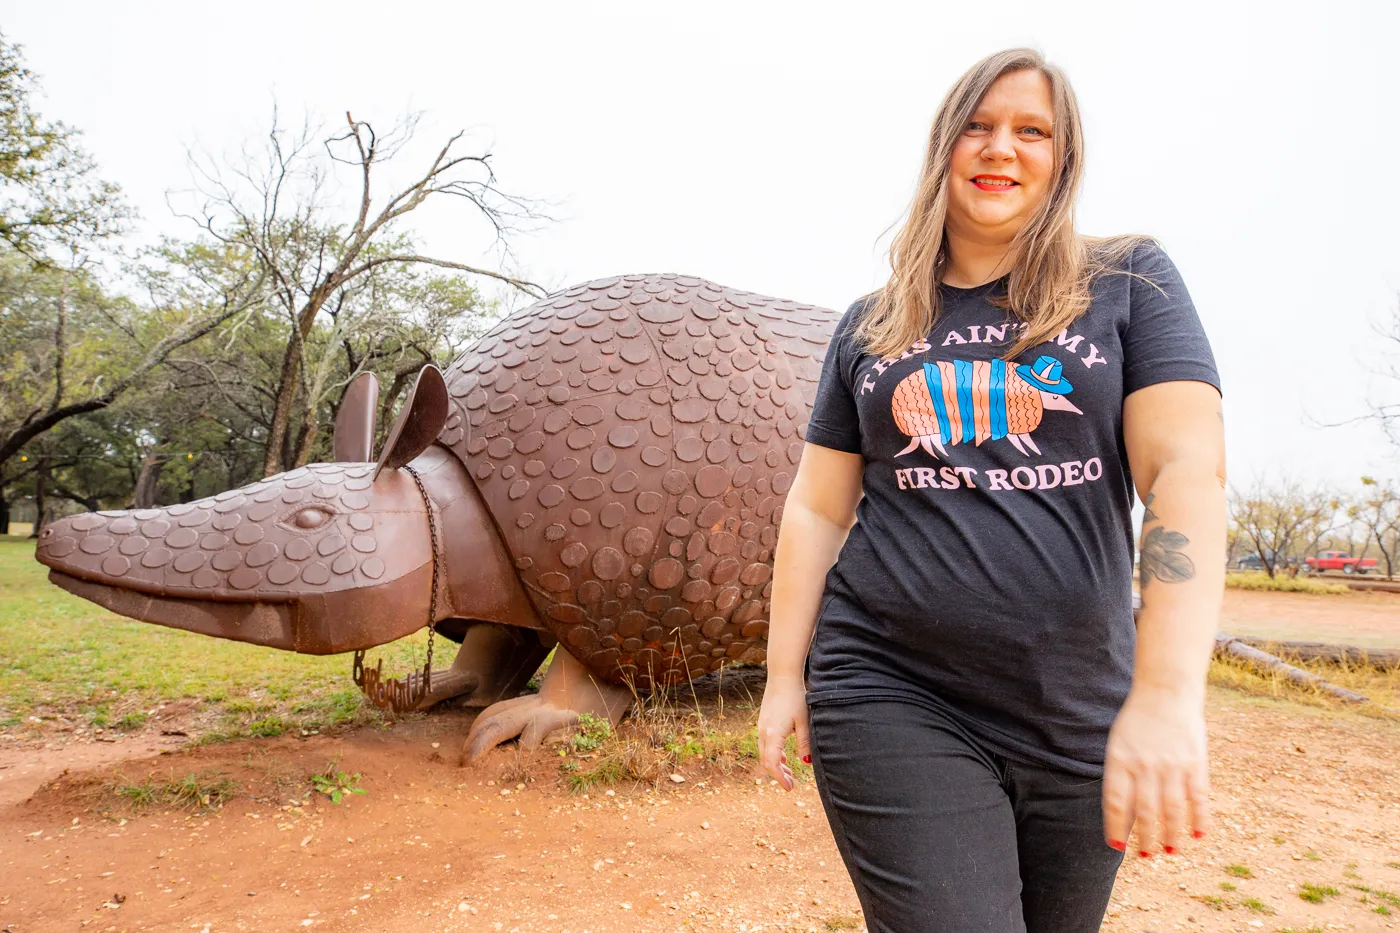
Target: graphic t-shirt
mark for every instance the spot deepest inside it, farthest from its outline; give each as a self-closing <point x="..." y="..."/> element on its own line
<point x="989" y="572"/>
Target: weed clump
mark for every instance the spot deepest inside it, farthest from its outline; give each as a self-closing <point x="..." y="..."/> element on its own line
<point x="190" y="792"/>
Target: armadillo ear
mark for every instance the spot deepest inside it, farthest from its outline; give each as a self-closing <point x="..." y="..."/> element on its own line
<point x="419" y="421"/>
<point x="354" y="423"/>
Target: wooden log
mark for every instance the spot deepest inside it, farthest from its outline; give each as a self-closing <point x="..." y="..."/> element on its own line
<point x="1231" y="646"/>
<point x="1382" y="658"/>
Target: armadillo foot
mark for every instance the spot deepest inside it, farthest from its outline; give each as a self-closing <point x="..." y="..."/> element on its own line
<point x="568" y="691"/>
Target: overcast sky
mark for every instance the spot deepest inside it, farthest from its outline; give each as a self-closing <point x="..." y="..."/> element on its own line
<point x="771" y="146"/>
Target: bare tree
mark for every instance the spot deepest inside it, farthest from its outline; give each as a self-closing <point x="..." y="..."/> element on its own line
<point x="1386" y="411"/>
<point x="1283" y="520"/>
<point x="1378" y="511"/>
<point x="275" y="204"/>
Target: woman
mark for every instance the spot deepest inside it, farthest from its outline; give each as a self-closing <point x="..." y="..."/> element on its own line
<point x="987" y="725"/>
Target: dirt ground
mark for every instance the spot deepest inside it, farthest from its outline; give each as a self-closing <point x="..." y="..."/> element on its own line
<point x="1370" y="619"/>
<point x="1303" y="796"/>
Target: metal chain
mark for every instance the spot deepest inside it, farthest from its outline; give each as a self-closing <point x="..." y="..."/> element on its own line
<point x="437" y="562"/>
<point x="403" y="694"/>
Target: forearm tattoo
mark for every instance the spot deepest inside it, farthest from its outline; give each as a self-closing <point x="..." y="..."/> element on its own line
<point x="1161" y="552"/>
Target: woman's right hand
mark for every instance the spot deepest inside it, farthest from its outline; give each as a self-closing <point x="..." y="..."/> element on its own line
<point x="783" y="712"/>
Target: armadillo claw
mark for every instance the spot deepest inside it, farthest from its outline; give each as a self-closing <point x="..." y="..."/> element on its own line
<point x="529" y="717"/>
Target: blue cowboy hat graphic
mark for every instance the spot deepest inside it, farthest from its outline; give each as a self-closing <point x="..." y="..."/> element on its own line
<point x="1045" y="373"/>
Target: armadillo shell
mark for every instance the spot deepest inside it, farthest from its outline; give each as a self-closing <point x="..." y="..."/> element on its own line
<point x="635" y="438"/>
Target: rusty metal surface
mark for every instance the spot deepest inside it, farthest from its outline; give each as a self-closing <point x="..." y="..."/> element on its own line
<point x="419" y="421"/>
<point x="610" y="465"/>
<point x="634" y="439"/>
<point x="354" y="422"/>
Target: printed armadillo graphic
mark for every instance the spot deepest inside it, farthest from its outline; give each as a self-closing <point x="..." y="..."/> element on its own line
<point x="956" y="401"/>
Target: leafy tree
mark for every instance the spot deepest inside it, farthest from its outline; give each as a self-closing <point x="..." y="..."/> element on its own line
<point x="69" y="349"/>
<point x="50" y="195"/>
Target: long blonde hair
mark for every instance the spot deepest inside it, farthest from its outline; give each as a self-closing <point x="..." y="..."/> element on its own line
<point x="1054" y="265"/>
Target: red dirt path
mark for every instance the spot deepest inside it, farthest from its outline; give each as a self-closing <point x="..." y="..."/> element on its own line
<point x="1302" y="795"/>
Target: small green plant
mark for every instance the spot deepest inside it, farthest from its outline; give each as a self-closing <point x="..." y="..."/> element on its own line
<point x="842" y="923"/>
<point x="1256" y="905"/>
<point x="132" y="721"/>
<point x="267" y="728"/>
<point x="1213" y="901"/>
<point x="336" y="784"/>
<point x="1317" y="893"/>
<point x="1312" y="856"/>
<point x="1227" y="886"/>
<point x="1308" y="930"/>
<point x="1381" y="909"/>
<point x="592" y="732"/>
<point x="1239" y="871"/>
<point x="1279" y="840"/>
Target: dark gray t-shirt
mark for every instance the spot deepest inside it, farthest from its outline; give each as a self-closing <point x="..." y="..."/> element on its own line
<point x="989" y="572"/>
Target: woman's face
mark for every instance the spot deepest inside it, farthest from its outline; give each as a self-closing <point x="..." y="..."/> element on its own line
<point x="1004" y="161"/>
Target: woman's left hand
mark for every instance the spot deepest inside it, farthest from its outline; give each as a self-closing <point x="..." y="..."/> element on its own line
<point x="1156" y="771"/>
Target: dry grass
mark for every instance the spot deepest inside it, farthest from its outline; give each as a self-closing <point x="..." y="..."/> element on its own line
<point x="1382" y="687"/>
<point x="1258" y="580"/>
<point x="668" y="729"/>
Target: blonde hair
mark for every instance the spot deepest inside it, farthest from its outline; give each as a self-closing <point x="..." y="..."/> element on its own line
<point x="1054" y="266"/>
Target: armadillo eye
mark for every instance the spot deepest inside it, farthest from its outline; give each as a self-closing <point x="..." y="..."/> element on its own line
<point x="311" y="518"/>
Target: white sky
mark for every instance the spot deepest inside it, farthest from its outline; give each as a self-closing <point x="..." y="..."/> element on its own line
<point x="770" y="146"/>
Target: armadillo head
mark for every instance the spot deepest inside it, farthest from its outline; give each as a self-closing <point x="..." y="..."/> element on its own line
<point x="322" y="559"/>
<point x="1058" y="402"/>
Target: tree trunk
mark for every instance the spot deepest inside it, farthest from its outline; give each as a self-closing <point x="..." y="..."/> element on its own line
<point x="276" y="454"/>
<point x="306" y="438"/>
<point x="147" y="490"/>
<point x="281" y="412"/>
<point x="4" y="513"/>
<point x="40" y="497"/>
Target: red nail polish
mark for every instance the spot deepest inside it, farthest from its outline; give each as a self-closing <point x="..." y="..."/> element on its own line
<point x="806" y="759"/>
<point x="1145" y="854"/>
<point x="1170" y="850"/>
<point x="1197" y="833"/>
<point x="1120" y="846"/>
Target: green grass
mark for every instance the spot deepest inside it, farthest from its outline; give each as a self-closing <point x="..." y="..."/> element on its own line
<point x="1256" y="905"/>
<point x="1258" y="580"/>
<point x="1239" y="871"/>
<point x="1391" y="899"/>
<point x="64" y="656"/>
<point x="1317" y="893"/>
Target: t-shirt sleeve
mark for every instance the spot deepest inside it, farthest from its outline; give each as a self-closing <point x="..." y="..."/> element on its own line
<point x="1165" y="340"/>
<point x="834" y="422"/>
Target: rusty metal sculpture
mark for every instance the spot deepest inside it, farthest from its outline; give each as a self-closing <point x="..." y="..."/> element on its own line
<point x="605" y="468"/>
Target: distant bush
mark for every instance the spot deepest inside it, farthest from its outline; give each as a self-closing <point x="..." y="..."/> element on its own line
<point x="1262" y="581"/>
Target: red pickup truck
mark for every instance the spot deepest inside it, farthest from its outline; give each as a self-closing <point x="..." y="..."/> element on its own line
<point x="1340" y="560"/>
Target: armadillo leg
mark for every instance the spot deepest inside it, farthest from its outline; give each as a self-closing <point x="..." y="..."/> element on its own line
<point x="494" y="661"/>
<point x="568" y="691"/>
<point x="937" y="441"/>
<point x="1015" y="440"/>
<point x="1030" y="443"/>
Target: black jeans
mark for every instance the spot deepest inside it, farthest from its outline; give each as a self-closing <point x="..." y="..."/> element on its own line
<point x="941" y="835"/>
